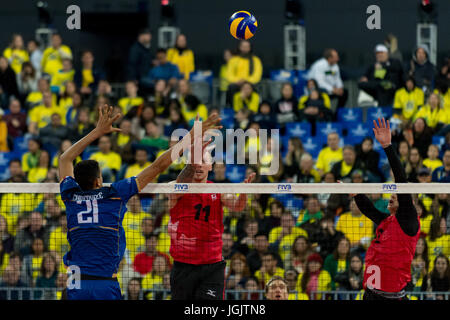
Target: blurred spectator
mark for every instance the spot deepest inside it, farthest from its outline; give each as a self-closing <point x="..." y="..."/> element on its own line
<point x="143" y="262"/>
<point x="153" y="137"/>
<point x="136" y="237"/>
<point x="160" y="97"/>
<point x="62" y="76"/>
<point x="420" y="137"/>
<point x="58" y="240"/>
<point x="88" y="76"/>
<point x="313" y="109"/>
<point x="227" y="247"/>
<point x="356" y="227"/>
<point x="246" y="240"/>
<point x="314" y="278"/>
<point x="223" y="86"/>
<point x="4" y="256"/>
<point x="369" y="160"/>
<point x="27" y="80"/>
<point x="82" y="126"/>
<point x="265" y="116"/>
<point x="108" y="160"/>
<point x="421" y="69"/>
<point x="123" y="141"/>
<point x="286" y="107"/>
<point x="138" y="123"/>
<point x="32" y="262"/>
<point x="6" y="240"/>
<point x="403" y="151"/>
<point x="39" y="173"/>
<point x="164" y="70"/>
<point x="182" y="56"/>
<point x="104" y="90"/>
<point x="132" y="99"/>
<point x="237" y="274"/>
<point x="326" y="72"/>
<point x="268" y="269"/>
<point x="139" y="56"/>
<point x="242" y="119"/>
<point x="442" y="174"/>
<point x="383" y="77"/>
<point x="309" y="218"/>
<point x="391" y="43"/>
<point x="344" y="169"/>
<point x="444" y="72"/>
<point x="353" y="279"/>
<point x="329" y="155"/>
<point x="311" y="85"/>
<point x="419" y="264"/>
<point x="291" y="277"/>
<point x="35" y="54"/>
<point x="41" y="115"/>
<point x="282" y="237"/>
<point x="8" y="84"/>
<point x="16" y="120"/>
<point x="134" y="289"/>
<point x="246" y="98"/>
<point x="26" y="236"/>
<point x="276" y="289"/>
<point x="243" y="67"/>
<point x="432" y="161"/>
<point x="327" y="236"/>
<point x="16" y="53"/>
<point x="11" y="278"/>
<point x="251" y="288"/>
<point x="191" y="107"/>
<point x="35" y="98"/>
<point x="141" y="158"/>
<point x="175" y="120"/>
<point x="30" y="159"/>
<point x="300" y="251"/>
<point x="154" y="279"/>
<point x="47" y="276"/>
<point x="413" y="165"/>
<point x="439" y="278"/>
<point x="337" y="264"/>
<point x="293" y="156"/>
<point x="5" y="142"/>
<point x="255" y="256"/>
<point x="306" y="172"/>
<point x="408" y="100"/>
<point x="434" y="113"/>
<point x="52" y="58"/>
<point x="438" y="239"/>
<point x="15" y="168"/>
<point x="55" y="132"/>
<point x="66" y="101"/>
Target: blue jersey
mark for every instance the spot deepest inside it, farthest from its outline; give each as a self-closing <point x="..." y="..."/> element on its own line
<point x="94" y="223"/>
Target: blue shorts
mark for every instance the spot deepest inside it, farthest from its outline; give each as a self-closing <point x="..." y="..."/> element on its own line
<point x="96" y="290"/>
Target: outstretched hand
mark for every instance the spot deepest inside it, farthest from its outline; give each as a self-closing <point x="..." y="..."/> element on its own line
<point x="211" y="123"/>
<point x="250" y="178"/>
<point x="106" y="120"/>
<point x="382" y="132"/>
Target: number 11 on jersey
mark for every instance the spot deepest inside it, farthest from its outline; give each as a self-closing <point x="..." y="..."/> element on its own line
<point x="91" y="207"/>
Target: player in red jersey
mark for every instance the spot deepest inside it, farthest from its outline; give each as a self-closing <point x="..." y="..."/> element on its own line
<point x="389" y="256"/>
<point x="195" y="228"/>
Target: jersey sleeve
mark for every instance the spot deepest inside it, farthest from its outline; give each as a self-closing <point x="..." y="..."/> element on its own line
<point x="126" y="188"/>
<point x="67" y="186"/>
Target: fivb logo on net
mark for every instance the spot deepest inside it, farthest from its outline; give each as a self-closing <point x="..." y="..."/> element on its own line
<point x="260" y="145"/>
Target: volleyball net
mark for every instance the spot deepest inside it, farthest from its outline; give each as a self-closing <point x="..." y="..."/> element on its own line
<point x="313" y="235"/>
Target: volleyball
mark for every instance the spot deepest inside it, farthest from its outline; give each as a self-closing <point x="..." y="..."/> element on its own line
<point x="242" y="25"/>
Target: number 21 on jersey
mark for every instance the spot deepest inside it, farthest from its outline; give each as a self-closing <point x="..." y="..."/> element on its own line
<point x="90" y="215"/>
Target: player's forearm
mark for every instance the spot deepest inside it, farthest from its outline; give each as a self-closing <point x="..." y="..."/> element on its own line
<point x="238" y="203"/>
<point x="187" y="174"/>
<point x="74" y="151"/>
<point x="396" y="165"/>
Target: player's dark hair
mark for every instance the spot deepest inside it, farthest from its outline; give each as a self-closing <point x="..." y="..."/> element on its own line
<point x="85" y="172"/>
<point x="161" y="50"/>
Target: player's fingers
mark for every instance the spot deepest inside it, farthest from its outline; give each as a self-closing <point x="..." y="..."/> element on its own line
<point x="375" y="125"/>
<point x="388" y="125"/>
<point x="384" y="123"/>
<point x="100" y="112"/>
<point x="116" y="129"/>
<point x="197" y="117"/>
<point x="379" y="123"/>
<point x="116" y="117"/>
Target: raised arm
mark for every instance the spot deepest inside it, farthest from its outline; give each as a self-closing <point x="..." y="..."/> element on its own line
<point x="406" y="212"/>
<point x="234" y="202"/>
<point x="104" y="126"/>
<point x="368" y="209"/>
<point x="172" y="154"/>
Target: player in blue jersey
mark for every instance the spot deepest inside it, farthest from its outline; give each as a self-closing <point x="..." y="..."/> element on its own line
<point x="95" y="213"/>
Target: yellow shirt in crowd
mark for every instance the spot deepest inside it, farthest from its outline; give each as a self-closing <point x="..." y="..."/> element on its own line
<point x="127" y="103"/>
<point x="135" y="169"/>
<point x="355" y="228"/>
<point x="13" y="205"/>
<point x="287" y="241"/>
<point x="111" y="160"/>
<point x="408" y="102"/>
<point x="238" y="69"/>
<point x="60" y="79"/>
<point x="42" y="115"/>
<point x="251" y="103"/>
<point x="58" y="241"/>
<point x="184" y="61"/>
<point x="433" y="117"/>
<point x="327" y="158"/>
<point x="52" y="59"/>
<point x="432" y="164"/>
<point x="325" y="98"/>
<point x="436" y="247"/>
<point x="16" y="58"/>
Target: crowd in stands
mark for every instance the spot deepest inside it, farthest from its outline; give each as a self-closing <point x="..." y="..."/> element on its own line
<point x="316" y="242"/>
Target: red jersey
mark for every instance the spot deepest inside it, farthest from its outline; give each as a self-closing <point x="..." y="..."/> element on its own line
<point x="390" y="255"/>
<point x="196" y="228"/>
